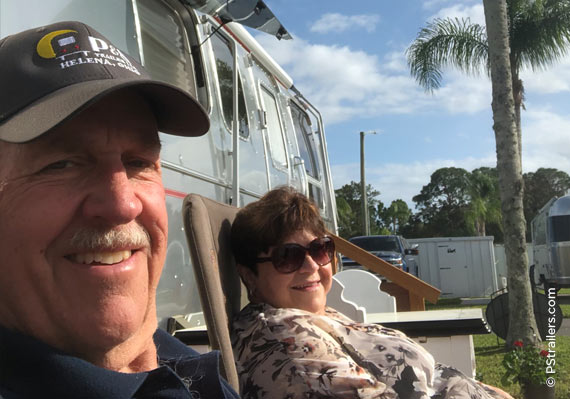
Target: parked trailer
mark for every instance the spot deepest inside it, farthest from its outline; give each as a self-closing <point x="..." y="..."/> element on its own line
<point x="458" y="266"/>
<point x="551" y="243"/>
<point x="278" y="139"/>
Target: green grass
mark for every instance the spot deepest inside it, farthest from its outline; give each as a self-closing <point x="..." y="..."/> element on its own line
<point x="489" y="352"/>
<point x="450" y="303"/>
<point x="489" y="355"/>
<point x="444" y="303"/>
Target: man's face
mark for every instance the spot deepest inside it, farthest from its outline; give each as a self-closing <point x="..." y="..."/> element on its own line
<point x="83" y="229"/>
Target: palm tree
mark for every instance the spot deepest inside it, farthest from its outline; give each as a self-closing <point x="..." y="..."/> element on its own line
<point x="398" y="214"/>
<point x="539" y="35"/>
<point x="521" y="33"/>
<point x="485" y="203"/>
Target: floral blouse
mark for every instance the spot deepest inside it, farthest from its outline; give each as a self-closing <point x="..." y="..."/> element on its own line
<point x="291" y="353"/>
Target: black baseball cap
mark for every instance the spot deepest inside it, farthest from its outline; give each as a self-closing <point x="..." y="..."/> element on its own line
<point x="50" y="74"/>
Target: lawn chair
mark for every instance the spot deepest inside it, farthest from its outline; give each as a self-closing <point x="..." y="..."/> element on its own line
<point x="208" y="226"/>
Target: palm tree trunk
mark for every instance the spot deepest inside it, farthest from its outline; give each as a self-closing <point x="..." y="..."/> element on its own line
<point x="518" y="94"/>
<point x="480" y="226"/>
<point x="522" y="324"/>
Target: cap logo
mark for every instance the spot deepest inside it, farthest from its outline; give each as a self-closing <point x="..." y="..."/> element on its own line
<point x="44" y="47"/>
<point x="70" y="51"/>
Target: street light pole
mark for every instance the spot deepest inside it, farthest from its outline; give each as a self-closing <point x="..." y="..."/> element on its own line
<point x="365" y="218"/>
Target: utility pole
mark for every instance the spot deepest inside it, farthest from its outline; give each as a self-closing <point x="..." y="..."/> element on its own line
<point x="365" y="218"/>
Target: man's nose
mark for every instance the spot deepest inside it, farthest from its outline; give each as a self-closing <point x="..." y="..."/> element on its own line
<point x="113" y="197"/>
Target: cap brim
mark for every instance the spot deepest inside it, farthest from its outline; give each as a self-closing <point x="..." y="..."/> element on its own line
<point x="175" y="110"/>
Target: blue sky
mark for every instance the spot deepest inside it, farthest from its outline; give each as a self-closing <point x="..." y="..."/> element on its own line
<point x="348" y="59"/>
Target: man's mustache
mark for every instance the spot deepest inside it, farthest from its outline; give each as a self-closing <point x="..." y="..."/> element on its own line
<point x="127" y="236"/>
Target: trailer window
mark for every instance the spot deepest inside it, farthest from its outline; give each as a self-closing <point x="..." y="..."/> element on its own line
<point x="225" y="70"/>
<point x="302" y="131"/>
<point x="560" y="226"/>
<point x="274" y="132"/>
<point x="164" y="45"/>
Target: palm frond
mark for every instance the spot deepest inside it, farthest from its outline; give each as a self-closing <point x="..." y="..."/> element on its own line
<point x="539" y="33"/>
<point x="447" y="42"/>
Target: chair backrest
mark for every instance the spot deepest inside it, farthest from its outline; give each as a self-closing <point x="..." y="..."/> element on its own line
<point x="363" y="288"/>
<point x="207" y="225"/>
<point x="337" y="301"/>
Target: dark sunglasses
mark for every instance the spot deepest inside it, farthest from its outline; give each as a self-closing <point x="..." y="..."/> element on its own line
<point x="288" y="258"/>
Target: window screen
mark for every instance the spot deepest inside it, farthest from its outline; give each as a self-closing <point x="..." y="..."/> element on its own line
<point x="276" y="143"/>
<point x="225" y="69"/>
<point x="164" y="52"/>
<point x="560" y="226"/>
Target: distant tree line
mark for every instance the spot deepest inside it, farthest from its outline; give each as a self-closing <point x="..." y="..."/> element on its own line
<point x="455" y="203"/>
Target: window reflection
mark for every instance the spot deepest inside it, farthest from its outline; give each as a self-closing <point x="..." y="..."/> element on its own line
<point x="224" y="67"/>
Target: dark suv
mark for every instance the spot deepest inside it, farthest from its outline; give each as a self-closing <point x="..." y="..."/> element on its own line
<point x="392" y="249"/>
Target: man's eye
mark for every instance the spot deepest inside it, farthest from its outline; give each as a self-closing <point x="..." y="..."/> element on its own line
<point x="138" y="163"/>
<point x="58" y="165"/>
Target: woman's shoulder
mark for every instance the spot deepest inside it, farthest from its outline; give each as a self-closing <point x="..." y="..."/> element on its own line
<point x="266" y="322"/>
<point x="262" y="315"/>
<point x="265" y="314"/>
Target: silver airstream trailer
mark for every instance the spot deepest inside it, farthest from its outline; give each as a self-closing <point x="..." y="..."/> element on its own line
<point x="276" y="139"/>
<point x="551" y="243"/>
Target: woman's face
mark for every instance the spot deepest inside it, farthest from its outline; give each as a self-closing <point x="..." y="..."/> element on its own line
<point x="304" y="289"/>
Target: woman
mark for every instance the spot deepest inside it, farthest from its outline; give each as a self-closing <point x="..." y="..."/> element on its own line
<point x="288" y="344"/>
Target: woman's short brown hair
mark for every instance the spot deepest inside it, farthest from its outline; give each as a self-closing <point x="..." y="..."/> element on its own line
<point x="270" y="221"/>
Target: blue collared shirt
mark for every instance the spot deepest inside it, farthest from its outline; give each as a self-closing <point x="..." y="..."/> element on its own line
<point x="31" y="369"/>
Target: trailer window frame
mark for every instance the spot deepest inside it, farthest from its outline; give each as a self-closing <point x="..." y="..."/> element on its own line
<point x="225" y="102"/>
<point x="559" y="228"/>
<point x="274" y="136"/>
<point x="181" y="18"/>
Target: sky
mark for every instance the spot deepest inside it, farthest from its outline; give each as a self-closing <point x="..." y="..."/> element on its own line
<point x="348" y="59"/>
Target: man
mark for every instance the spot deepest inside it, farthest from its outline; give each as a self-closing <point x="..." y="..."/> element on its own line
<point x="83" y="223"/>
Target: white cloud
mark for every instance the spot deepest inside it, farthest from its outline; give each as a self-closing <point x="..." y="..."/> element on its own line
<point x="334" y="22"/>
<point x="554" y="79"/>
<point x="465" y="94"/>
<point x="474" y="12"/>
<point x="429" y="4"/>
<point x="345" y="83"/>
<point x="396" y="62"/>
<point x="546" y="140"/>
